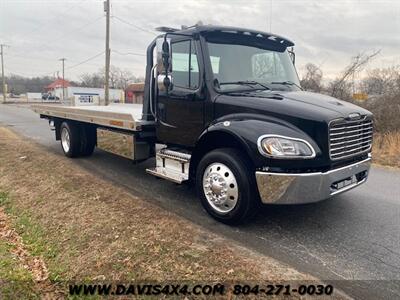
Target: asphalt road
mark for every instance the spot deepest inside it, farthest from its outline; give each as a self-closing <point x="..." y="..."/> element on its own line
<point x="352" y="239"/>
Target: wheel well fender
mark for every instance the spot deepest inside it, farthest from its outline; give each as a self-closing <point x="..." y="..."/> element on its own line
<point x="213" y="139"/>
<point x="88" y="128"/>
<point x="243" y="134"/>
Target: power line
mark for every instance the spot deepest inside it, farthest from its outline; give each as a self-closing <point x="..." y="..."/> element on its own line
<point x="10" y="73"/>
<point x="133" y="25"/>
<point x="128" y="53"/>
<point x="86" y="60"/>
<point x="56" y="17"/>
<point x="31" y="74"/>
<point x="68" y="68"/>
<point x="22" y="74"/>
<point x="41" y="58"/>
<point x="30" y="58"/>
<point x="79" y="28"/>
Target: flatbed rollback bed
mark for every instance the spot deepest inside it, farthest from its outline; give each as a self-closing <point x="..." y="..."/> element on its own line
<point x="116" y="128"/>
<point x="118" y="116"/>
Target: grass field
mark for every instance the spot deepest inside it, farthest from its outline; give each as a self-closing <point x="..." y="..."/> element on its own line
<point x="15" y="279"/>
<point x="70" y="225"/>
<point x="386" y="149"/>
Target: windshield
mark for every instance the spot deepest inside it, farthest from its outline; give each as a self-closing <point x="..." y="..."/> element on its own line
<point x="243" y="67"/>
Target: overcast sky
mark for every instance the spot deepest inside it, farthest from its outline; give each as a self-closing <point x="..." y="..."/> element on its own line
<point x="326" y="33"/>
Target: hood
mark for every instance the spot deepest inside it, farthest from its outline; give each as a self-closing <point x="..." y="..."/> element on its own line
<point x="342" y="108"/>
<point x="298" y="105"/>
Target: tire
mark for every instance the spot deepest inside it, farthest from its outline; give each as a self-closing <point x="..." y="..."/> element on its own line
<point x="70" y="139"/>
<point x="226" y="185"/>
<point x="88" y="140"/>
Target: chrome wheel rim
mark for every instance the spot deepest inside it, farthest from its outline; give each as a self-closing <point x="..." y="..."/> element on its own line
<point x="220" y="188"/>
<point x="65" y="139"/>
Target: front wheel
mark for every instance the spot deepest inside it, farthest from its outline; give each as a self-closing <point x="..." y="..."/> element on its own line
<point x="226" y="185"/>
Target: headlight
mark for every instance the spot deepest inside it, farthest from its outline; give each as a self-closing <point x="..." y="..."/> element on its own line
<point x="277" y="146"/>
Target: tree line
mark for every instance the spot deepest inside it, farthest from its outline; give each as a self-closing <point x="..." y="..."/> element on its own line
<point x="382" y="85"/>
<point x="119" y="79"/>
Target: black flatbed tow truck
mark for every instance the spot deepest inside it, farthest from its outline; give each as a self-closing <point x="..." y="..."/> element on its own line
<point x="225" y="108"/>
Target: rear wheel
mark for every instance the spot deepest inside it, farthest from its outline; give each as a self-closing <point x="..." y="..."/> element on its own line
<point x="70" y="139"/>
<point x="88" y="140"/>
<point x="226" y="186"/>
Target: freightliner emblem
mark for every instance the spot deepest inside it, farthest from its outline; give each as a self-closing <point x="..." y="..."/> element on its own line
<point x="354" y="116"/>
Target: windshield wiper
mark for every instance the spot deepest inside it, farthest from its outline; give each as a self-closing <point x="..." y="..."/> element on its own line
<point x="287" y="82"/>
<point x="250" y="83"/>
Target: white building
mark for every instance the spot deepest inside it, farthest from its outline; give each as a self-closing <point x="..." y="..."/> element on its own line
<point x="115" y="95"/>
<point x="34" y="96"/>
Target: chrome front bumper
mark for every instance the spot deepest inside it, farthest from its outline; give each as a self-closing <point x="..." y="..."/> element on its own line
<point x="297" y="188"/>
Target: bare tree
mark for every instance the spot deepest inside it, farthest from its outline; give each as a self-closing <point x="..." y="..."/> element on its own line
<point x="263" y="66"/>
<point x="92" y="80"/>
<point x="125" y="77"/>
<point x="383" y="87"/>
<point x="114" y="76"/>
<point x="311" y="81"/>
<point x="119" y="79"/>
<point x="340" y="87"/>
<point x="382" y="81"/>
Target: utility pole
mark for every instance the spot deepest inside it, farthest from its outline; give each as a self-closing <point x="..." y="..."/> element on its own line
<point x="107" y="75"/>
<point x="2" y="73"/>
<point x="63" y="78"/>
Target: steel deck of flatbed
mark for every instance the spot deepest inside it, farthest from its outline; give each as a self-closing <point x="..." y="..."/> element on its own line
<point x="121" y="116"/>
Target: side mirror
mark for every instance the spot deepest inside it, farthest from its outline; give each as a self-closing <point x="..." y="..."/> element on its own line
<point x="164" y="62"/>
<point x="164" y="82"/>
<point x="292" y="55"/>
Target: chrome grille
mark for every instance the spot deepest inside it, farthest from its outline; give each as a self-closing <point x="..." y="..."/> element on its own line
<point x="349" y="138"/>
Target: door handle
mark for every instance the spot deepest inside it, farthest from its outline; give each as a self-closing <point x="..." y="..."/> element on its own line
<point x="161" y="110"/>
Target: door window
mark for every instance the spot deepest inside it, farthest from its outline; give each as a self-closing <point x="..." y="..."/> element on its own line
<point x="185" y="67"/>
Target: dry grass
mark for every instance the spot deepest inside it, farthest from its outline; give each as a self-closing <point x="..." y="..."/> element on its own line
<point x="86" y="229"/>
<point x="22" y="275"/>
<point x="386" y="149"/>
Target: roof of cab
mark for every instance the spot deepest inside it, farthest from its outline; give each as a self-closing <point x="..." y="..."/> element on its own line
<point x="237" y="30"/>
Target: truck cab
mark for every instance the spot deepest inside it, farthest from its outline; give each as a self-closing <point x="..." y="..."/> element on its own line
<point x="227" y="94"/>
<point x="223" y="109"/>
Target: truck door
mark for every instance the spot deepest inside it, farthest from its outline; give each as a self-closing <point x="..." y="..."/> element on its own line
<point x="181" y="112"/>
